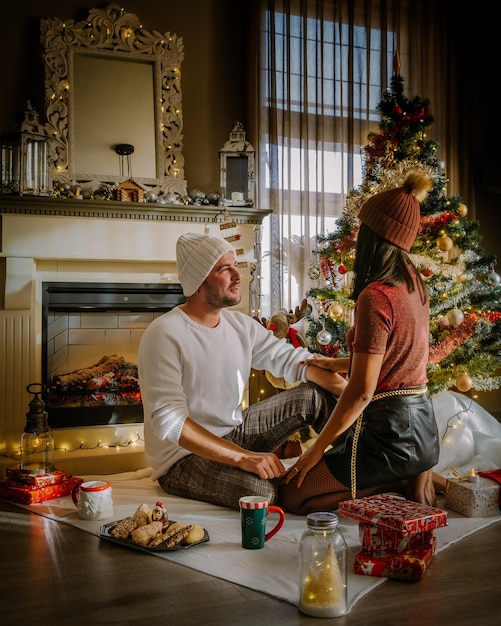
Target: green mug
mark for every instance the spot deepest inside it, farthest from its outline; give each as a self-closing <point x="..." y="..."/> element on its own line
<point x="254" y="511"/>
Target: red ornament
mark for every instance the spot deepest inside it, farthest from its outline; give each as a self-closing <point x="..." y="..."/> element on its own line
<point x="426" y="272"/>
<point x="342" y="269"/>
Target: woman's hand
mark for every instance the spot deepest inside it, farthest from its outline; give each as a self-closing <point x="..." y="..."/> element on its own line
<point x="303" y="465"/>
<point x="330" y="363"/>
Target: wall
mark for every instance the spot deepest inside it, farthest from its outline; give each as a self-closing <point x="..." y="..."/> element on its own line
<point x="212" y="78"/>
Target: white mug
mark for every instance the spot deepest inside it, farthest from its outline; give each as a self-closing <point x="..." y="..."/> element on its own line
<point x="93" y="500"/>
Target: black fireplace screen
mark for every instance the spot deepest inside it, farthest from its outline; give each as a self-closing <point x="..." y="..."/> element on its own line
<point x="90" y="333"/>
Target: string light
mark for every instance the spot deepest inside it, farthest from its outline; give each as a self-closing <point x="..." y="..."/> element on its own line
<point x="98" y="446"/>
<point x="456" y="416"/>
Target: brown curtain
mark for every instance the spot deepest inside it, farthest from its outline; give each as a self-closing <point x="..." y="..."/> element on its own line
<point x="318" y="69"/>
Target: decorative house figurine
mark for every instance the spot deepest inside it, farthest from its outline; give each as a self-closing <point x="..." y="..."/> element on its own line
<point x="237" y="169"/>
<point x="25" y="156"/>
<point x="129" y="191"/>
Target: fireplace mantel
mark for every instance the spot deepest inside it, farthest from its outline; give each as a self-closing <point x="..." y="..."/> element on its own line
<point x="63" y="240"/>
<point x="110" y="209"/>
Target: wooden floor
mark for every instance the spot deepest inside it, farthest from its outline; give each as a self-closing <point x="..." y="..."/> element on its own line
<point x="55" y="574"/>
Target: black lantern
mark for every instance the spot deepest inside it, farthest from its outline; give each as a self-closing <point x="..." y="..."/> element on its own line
<point x="37" y="440"/>
<point x="25" y="156"/>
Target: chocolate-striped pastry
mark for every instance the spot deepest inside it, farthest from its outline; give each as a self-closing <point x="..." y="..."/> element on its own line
<point x="123" y="528"/>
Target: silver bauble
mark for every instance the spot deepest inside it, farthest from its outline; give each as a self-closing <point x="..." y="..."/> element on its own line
<point x="324" y="337"/>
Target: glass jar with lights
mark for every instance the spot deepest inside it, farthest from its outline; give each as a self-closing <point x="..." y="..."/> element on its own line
<point x="323" y="589"/>
<point x="37" y="440"/>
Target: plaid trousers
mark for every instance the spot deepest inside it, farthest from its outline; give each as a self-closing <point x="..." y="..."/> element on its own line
<point x="265" y="426"/>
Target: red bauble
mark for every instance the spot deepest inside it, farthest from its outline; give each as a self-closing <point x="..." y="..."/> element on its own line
<point x="342" y="269"/>
<point x="426" y="272"/>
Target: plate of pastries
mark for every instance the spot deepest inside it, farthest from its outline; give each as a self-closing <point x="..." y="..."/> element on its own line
<point x="150" y="529"/>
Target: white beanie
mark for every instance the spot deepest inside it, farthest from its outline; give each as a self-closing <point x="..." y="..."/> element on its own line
<point x="196" y="256"/>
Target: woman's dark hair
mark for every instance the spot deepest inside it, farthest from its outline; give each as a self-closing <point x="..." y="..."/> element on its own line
<point x="379" y="260"/>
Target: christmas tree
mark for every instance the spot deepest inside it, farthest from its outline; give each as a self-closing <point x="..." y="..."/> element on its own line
<point x="464" y="288"/>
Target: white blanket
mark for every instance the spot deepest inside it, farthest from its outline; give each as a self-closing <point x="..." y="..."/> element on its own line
<point x="272" y="570"/>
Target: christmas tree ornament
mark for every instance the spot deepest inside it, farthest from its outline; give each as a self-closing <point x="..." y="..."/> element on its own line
<point x="426" y="272"/>
<point x="443" y="321"/>
<point x="313" y="272"/>
<point x="455" y="317"/>
<point x="342" y="269"/>
<point x="324" y="337"/>
<point x="464" y="382"/>
<point x="444" y="243"/>
<point x="463" y="210"/>
<point x="335" y="311"/>
<point x="493" y="279"/>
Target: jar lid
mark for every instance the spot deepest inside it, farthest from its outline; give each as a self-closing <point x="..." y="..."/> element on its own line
<point x="322" y="520"/>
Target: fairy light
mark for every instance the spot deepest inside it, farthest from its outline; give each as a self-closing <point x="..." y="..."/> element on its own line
<point x="451" y="426"/>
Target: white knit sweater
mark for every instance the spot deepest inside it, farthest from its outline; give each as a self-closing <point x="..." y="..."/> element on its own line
<point x="190" y="370"/>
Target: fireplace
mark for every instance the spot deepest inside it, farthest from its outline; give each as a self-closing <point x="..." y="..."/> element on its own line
<point x="90" y="336"/>
<point x="44" y="241"/>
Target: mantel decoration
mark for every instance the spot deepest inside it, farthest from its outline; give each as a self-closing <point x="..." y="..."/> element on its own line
<point x="25" y="156"/>
<point x="91" y="68"/>
<point x="237" y="169"/>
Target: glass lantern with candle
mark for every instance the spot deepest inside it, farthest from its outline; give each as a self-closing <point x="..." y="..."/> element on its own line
<point x="25" y="156"/>
<point x="236" y="159"/>
<point x="37" y="440"/>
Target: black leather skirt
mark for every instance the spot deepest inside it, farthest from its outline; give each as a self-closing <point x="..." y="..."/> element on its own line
<point x="398" y="439"/>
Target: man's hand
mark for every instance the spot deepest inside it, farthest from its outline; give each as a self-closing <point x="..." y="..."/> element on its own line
<point x="265" y="464"/>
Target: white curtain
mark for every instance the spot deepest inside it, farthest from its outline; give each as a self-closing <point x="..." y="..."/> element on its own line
<point x="317" y="73"/>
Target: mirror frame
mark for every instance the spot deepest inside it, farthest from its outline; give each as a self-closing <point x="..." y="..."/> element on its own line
<point x="116" y="34"/>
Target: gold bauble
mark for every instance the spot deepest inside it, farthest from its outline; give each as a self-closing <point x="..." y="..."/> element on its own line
<point x="464" y="382"/>
<point x="335" y="311"/>
<point x="444" y="243"/>
<point x="463" y="210"/>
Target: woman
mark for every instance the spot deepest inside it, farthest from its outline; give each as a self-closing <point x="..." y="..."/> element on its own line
<point x="394" y="444"/>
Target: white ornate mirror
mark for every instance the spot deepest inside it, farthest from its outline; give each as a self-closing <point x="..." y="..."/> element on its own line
<point x="110" y="82"/>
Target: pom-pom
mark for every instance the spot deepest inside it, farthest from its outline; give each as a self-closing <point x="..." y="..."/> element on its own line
<point x="418" y="184"/>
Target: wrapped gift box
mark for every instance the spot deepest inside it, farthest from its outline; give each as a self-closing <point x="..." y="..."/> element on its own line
<point x="39" y="480"/>
<point x="394" y="512"/>
<point x="406" y="565"/>
<point x="473" y="499"/>
<point x="14" y="491"/>
<point x="380" y="541"/>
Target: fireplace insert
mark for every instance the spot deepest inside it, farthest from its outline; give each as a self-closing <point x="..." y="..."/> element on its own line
<point x="90" y="335"/>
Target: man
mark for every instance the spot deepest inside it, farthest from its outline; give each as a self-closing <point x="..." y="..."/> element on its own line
<point x="194" y="365"/>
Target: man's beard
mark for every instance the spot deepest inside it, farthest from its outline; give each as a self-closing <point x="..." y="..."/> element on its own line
<point x="224" y="301"/>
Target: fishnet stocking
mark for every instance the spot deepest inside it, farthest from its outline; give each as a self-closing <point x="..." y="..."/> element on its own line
<point x="321" y="491"/>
